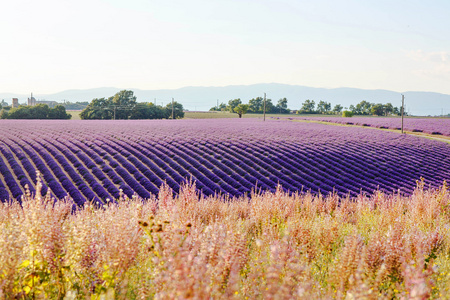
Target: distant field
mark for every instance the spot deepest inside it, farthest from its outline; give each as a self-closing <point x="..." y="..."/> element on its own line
<point x="200" y="115"/>
<point x="434" y="126"/>
<point x="75" y="114"/>
<point x="222" y="115"/>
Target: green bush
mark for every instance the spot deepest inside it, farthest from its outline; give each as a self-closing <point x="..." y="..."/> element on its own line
<point x="39" y="111"/>
<point x="347" y="114"/>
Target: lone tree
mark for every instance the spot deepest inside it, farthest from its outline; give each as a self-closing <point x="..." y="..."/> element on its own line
<point x="241" y="109"/>
<point x="232" y="104"/>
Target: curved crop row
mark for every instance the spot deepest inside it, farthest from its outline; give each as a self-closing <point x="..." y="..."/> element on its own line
<point x="426" y="125"/>
<point x="97" y="160"/>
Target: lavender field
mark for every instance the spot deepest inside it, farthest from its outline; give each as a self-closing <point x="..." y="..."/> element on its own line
<point x="96" y="160"/>
<point x="425" y="125"/>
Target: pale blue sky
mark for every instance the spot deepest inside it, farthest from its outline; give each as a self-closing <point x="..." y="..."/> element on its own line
<point x="48" y="46"/>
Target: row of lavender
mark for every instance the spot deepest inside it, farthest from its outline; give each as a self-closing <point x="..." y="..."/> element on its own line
<point x="426" y="125"/>
<point x="94" y="160"/>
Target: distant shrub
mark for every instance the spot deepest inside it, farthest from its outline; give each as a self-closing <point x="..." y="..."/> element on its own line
<point x="3" y="114"/>
<point x="40" y="111"/>
<point x="347" y="114"/>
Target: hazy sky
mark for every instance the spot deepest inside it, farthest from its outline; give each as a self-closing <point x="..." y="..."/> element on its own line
<point x="47" y="46"/>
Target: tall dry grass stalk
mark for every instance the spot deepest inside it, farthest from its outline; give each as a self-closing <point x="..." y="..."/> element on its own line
<point x="273" y="246"/>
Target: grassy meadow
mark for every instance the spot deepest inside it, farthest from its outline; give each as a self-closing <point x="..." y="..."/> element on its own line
<point x="75" y="114"/>
<point x="273" y="246"/>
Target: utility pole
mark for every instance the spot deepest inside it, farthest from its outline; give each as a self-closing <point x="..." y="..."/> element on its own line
<point x="114" y="112"/>
<point x="217" y="107"/>
<point x="403" y="109"/>
<point x="264" y="107"/>
<point x="155" y="101"/>
<point x="172" y="108"/>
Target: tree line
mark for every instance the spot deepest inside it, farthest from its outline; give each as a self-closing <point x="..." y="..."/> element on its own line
<point x="39" y="111"/>
<point x="256" y="106"/>
<point x="123" y="106"/>
<point x="362" y="108"/>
